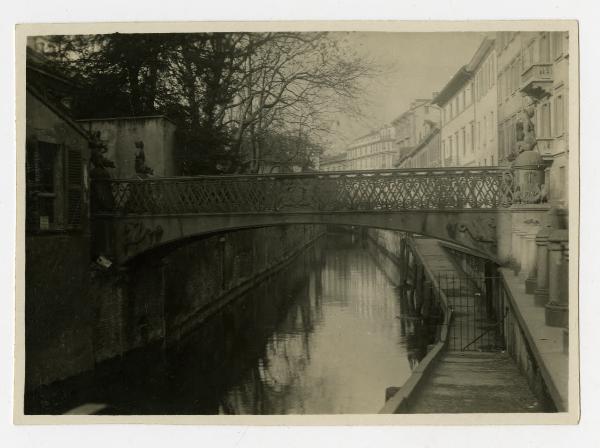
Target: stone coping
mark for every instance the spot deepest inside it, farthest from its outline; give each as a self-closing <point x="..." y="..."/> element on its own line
<point x="546" y="342"/>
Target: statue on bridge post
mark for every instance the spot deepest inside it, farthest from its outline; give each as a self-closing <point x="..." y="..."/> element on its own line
<point x="526" y="139"/>
<point x="141" y="168"/>
<point x="528" y="165"/>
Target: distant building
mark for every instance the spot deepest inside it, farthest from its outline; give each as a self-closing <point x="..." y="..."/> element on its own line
<point x="372" y="151"/>
<point x="484" y="145"/>
<point x="458" y="119"/>
<point x="411" y="127"/>
<point x="334" y="162"/>
<point x="468" y="103"/>
<point x="426" y="154"/>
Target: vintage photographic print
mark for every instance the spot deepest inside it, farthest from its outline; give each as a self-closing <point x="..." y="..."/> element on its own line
<point x="359" y="222"/>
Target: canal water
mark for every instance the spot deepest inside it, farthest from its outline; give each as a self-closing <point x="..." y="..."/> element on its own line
<point x="326" y="334"/>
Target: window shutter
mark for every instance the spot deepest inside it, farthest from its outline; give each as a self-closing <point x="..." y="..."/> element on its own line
<point x="74" y="188"/>
<point x="31" y="179"/>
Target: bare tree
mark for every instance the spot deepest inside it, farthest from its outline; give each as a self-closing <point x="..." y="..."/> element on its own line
<point x="295" y="83"/>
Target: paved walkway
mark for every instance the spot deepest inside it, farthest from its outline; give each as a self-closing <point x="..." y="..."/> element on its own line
<point x="465" y="382"/>
<point x="468" y="381"/>
<point x="547" y="342"/>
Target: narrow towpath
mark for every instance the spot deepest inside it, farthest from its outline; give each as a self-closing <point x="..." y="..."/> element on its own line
<point x="465" y="382"/>
<point x="474" y="380"/>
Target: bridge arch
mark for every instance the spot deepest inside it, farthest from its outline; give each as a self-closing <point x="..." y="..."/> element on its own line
<point x="125" y="238"/>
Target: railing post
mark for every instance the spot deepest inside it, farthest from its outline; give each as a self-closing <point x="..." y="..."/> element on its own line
<point x="557" y="309"/>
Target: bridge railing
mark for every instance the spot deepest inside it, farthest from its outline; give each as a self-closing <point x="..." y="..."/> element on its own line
<point x="341" y="191"/>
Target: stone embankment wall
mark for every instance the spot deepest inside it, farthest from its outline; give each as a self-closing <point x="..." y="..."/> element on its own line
<point x="97" y="315"/>
<point x="388" y="241"/>
<point x="163" y="300"/>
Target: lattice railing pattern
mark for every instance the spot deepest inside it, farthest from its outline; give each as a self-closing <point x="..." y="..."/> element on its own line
<point x="381" y="190"/>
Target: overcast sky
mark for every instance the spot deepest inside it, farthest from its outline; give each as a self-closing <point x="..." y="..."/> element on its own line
<point x="417" y="64"/>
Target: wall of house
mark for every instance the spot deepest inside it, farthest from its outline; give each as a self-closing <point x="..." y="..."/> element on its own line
<point x="120" y="135"/>
<point x="458" y="116"/>
<point x="510" y="100"/>
<point x="485" y="150"/>
<point x="58" y="317"/>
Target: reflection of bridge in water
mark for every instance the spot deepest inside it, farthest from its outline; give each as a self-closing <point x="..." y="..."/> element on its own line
<point x="456" y="204"/>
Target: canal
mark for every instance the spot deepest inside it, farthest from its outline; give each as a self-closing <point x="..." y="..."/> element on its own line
<point x="325" y="334"/>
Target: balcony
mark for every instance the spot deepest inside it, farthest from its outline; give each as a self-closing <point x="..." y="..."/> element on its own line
<point x="536" y="81"/>
<point x="545" y="146"/>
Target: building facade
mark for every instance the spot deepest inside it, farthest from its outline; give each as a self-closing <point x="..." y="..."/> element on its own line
<point x="484" y="148"/>
<point x="469" y="111"/>
<point x="427" y="154"/>
<point x="58" y="315"/>
<point x="458" y="120"/>
<point x="412" y="126"/>
<point x="544" y="86"/>
<point x="372" y="151"/>
<point x="510" y="101"/>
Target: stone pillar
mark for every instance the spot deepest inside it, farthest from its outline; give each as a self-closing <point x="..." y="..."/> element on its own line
<point x="519" y="250"/>
<point x="541" y="291"/>
<point x="516" y="247"/>
<point x="549" y="224"/>
<point x="531" y="272"/>
<point x="523" y="252"/>
<point x="557" y="308"/>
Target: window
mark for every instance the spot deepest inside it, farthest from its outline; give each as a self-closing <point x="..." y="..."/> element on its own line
<point x="544" y="121"/>
<point x="457" y="146"/>
<point x="472" y="136"/>
<point x="500" y="142"/>
<point x="492" y="126"/>
<point x="562" y="180"/>
<point x="464" y="141"/>
<point x="529" y="56"/>
<point x="53" y="186"/>
<point x="544" y="48"/>
<point x="559" y="115"/>
<point x="492" y="161"/>
<point x="484" y="131"/>
<point x="42" y="177"/>
<point x="557" y="44"/>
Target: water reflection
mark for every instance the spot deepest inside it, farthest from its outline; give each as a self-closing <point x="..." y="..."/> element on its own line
<point x="326" y="334"/>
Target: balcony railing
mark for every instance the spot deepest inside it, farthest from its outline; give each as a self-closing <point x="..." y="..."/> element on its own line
<point x="536" y="80"/>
